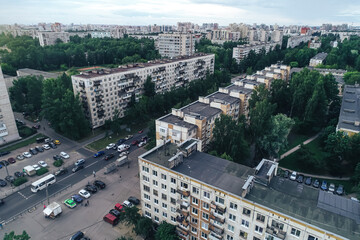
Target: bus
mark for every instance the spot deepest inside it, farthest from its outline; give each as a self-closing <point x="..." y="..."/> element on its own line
<point x="41" y="183"/>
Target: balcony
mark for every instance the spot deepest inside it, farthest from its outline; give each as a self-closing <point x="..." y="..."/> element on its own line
<point x="83" y="96"/>
<point x="97" y="83"/>
<point x="182" y="212"/>
<point x="82" y="91"/>
<point x="182" y="231"/>
<point x="217" y="207"/>
<point x="98" y="100"/>
<point x="182" y="192"/>
<point x="217" y="230"/>
<point x="217" y="217"/>
<point x="82" y="84"/>
<point x="275" y="232"/>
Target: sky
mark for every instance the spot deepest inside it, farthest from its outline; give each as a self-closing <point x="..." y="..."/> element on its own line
<point x="146" y="12"/>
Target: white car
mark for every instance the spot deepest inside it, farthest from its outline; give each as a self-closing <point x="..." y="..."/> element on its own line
<point x="126" y="203"/>
<point x="46" y="146"/>
<point x="332" y="187"/>
<point x="84" y="193"/>
<point x="27" y="154"/>
<point x="64" y="155"/>
<point x="36" y="167"/>
<point x="124" y="153"/>
<point x="42" y="163"/>
<point x="140" y="144"/>
<point x="293" y="176"/>
<point x="79" y="162"/>
<point x="110" y="146"/>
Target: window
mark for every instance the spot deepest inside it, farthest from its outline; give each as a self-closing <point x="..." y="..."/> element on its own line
<point x="277" y="225"/>
<point x="193" y="238"/>
<point x="147" y="214"/>
<point x="244" y="223"/>
<point x="243" y="234"/>
<point x="156" y="210"/>
<point x="219" y="200"/>
<point x="155" y="192"/>
<point x="207" y="194"/>
<point x="163" y="196"/>
<point x="206" y="205"/>
<point x="156" y="201"/>
<point x="146" y="196"/>
<point x="173" y="201"/>
<point x="232" y="217"/>
<point x="147" y="205"/>
<point x="246" y="212"/>
<point x="203" y="235"/>
<point x="312" y="238"/>
<point x="156" y="219"/>
<point x="195" y="201"/>
<point x="155" y="173"/>
<point x="295" y="232"/>
<point x="145" y="169"/>
<point x="145" y="178"/>
<point x="172" y="209"/>
<point x="155" y="182"/>
<point x="260" y="218"/>
<point x="163" y="186"/>
<point x="173" y="190"/>
<point x="204" y="225"/>
<point x="231" y="228"/>
<point x="173" y="180"/>
<point x="173" y="219"/>
<point x="164" y="214"/>
<point x="233" y="205"/>
<point x="163" y="176"/>
<point x="228" y="237"/>
<point x="258" y="229"/>
<point x="164" y="205"/>
<point x="194" y="211"/>
<point x="195" y="190"/>
<point x="184" y="185"/>
<point x="205" y="216"/>
<point x="194" y="220"/>
<point x="146" y="188"/>
<point x="193" y="229"/>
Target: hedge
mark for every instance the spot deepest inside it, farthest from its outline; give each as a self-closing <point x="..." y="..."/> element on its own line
<point x="19" y="181"/>
<point x="58" y="163"/>
<point x="41" y="171"/>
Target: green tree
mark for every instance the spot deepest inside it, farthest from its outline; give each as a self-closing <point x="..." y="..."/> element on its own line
<point x="166" y="231"/>
<point x="130" y="216"/>
<point x="144" y="228"/>
<point x="12" y="236"/>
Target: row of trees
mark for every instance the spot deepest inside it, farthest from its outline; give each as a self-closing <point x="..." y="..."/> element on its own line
<point x="26" y="52"/>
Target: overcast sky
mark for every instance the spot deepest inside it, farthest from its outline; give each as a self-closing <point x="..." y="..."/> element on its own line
<point x="145" y="12"/>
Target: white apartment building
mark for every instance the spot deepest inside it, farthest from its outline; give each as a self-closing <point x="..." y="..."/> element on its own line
<point x="175" y="44"/>
<point x="8" y="129"/>
<point x="242" y="51"/>
<point x="296" y="40"/>
<point x="207" y="197"/>
<point x="317" y="59"/>
<point x="103" y="91"/>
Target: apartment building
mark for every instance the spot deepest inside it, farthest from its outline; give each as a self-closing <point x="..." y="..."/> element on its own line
<point x="318" y="59"/>
<point x="8" y="129"/>
<point x="242" y="51"/>
<point x="103" y="91"/>
<point x="175" y="44"/>
<point x="296" y="40"/>
<point x="49" y="38"/>
<point x="349" y="118"/>
<point x="207" y="197"/>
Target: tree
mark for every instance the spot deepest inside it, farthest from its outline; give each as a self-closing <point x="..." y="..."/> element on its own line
<point x="166" y="231"/>
<point x="130" y="216"/>
<point x="280" y="94"/>
<point x="12" y="236"/>
<point x="144" y="228"/>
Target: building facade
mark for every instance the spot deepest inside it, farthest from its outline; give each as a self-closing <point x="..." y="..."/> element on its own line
<point x="207" y="197"/>
<point x="317" y="59"/>
<point x="8" y="129"/>
<point x="296" y="40"/>
<point x="175" y="44"/>
<point x="103" y="91"/>
<point x="242" y="51"/>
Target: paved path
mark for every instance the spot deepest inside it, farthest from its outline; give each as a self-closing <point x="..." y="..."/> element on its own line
<point x="298" y="146"/>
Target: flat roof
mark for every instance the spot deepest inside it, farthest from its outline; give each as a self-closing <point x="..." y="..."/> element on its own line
<point x="223" y="97"/>
<point x="35" y="72"/>
<point x="135" y="66"/>
<point x="239" y="89"/>
<point x="175" y="120"/>
<point x="350" y="109"/>
<point x="200" y="109"/>
<point x="160" y="155"/>
<point x="320" y="56"/>
<point x="301" y="202"/>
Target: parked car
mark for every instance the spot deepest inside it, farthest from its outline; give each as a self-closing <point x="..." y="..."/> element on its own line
<point x="99" y="184"/>
<point x="119" y="207"/>
<point x="52" y="145"/>
<point x="286" y="174"/>
<point x="27" y="154"/>
<point x="78" y="236"/>
<point x="57" y="142"/>
<point x="57" y="157"/>
<point x="98" y="154"/>
<point x="141" y="131"/>
<point x="4" y="153"/>
<point x="39" y="149"/>
<point x="5" y="163"/>
<point x="109" y="156"/>
<point x="36" y="167"/>
<point x="61" y="171"/>
<point x="2" y="183"/>
<point x="316" y="183"/>
<point x="33" y="151"/>
<point x="77" y="168"/>
<point x="36" y="126"/>
<point x="123" y="153"/>
<point x="110" y="146"/>
<point x="48" y="140"/>
<point x="46" y="146"/>
<point x="11" y="160"/>
<point x="18" y="174"/>
<point x="83" y="193"/>
<point x="134" y="200"/>
<point x="20" y="157"/>
<point x="120" y="141"/>
<point x="40" y="139"/>
<point x="135" y="142"/>
<point x="79" y="162"/>
<point x="324" y="186"/>
<point x="144" y="139"/>
<point x="90" y="188"/>
<point x="10" y="179"/>
<point x="64" y="155"/>
<point x="293" y="176"/>
<point x="2" y="202"/>
<point x="42" y="163"/>
<point x="70" y="203"/>
<point x="128" y="137"/>
<point x="77" y="198"/>
<point x="300" y="178"/>
<point x="126" y="203"/>
<point x="331" y="188"/>
<point x="115" y="212"/>
<point x="1" y="166"/>
<point x="340" y="190"/>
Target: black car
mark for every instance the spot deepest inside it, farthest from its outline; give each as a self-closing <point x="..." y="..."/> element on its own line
<point x="115" y="212"/>
<point x="2" y="183"/>
<point x="316" y="183"/>
<point x="300" y="178"/>
<point x="99" y="184"/>
<point x="40" y="139"/>
<point x="18" y="174"/>
<point x="121" y="141"/>
<point x="77" y="168"/>
<point x="33" y="151"/>
<point x="5" y="163"/>
<point x="2" y="202"/>
<point x="134" y="200"/>
<point x="77" y="236"/>
<point x="39" y="149"/>
<point x="144" y="138"/>
<point x="61" y="171"/>
<point x="286" y="174"/>
<point x="308" y="181"/>
<point x="56" y="157"/>
<point x="90" y="188"/>
<point x="10" y="179"/>
<point x="52" y="145"/>
<point x="109" y="156"/>
<point x="4" y="153"/>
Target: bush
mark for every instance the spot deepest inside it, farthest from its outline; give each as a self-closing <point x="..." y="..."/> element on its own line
<point x="58" y="163"/>
<point x="25" y="132"/>
<point x="20" y="181"/>
<point x="41" y="171"/>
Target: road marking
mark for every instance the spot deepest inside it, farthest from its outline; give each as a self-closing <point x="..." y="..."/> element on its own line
<point x="91" y="164"/>
<point x="22" y="195"/>
<point x="72" y="172"/>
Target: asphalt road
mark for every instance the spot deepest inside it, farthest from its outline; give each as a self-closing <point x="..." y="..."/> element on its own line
<point x="24" y="199"/>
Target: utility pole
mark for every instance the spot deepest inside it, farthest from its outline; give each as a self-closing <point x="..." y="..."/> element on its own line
<point x="47" y="194"/>
<point x="7" y="172"/>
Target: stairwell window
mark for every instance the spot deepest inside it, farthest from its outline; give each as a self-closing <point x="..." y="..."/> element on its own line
<point x="260" y="218"/>
<point x="233" y="205"/>
<point x="295" y="232"/>
<point x="246" y="212"/>
<point x="219" y="200"/>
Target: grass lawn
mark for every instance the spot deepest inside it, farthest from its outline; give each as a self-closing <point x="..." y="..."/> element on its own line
<point x="22" y="143"/>
<point x="295" y="139"/>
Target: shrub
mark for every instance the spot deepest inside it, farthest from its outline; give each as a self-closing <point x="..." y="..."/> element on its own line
<point x="58" y="163"/>
<point x="41" y="171"/>
<point x="20" y="181"/>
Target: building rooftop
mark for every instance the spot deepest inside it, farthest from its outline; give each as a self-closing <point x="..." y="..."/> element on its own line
<point x="239" y="89"/>
<point x="350" y="109"/>
<point x="320" y="56"/>
<point x="135" y="66"/>
<point x="176" y="121"/>
<point x="200" y="109"/>
<point x="34" y="72"/>
<point x="223" y="97"/>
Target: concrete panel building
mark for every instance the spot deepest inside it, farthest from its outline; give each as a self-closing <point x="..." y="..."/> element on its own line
<point x="8" y="129"/>
<point x="207" y="197"/>
<point x="296" y="40"/>
<point x="103" y="91"/>
<point x="175" y="44"/>
<point x="318" y="59"/>
<point x="242" y="51"/>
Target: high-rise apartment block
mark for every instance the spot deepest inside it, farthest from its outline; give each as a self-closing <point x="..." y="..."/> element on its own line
<point x="106" y="90"/>
<point x="242" y="51"/>
<point x="207" y="197"/>
<point x="8" y="129"/>
<point x="349" y="118"/>
<point x="296" y="40"/>
<point x="175" y="44"/>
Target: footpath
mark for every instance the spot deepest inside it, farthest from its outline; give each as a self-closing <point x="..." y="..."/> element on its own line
<point x="298" y="147"/>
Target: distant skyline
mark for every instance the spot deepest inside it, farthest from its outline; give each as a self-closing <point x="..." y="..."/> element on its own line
<point x="146" y="12"/>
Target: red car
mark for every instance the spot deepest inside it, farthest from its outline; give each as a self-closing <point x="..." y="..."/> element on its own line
<point x="36" y="126"/>
<point x="119" y="207"/>
<point x="141" y="131"/>
<point x="135" y="142"/>
<point x="11" y="160"/>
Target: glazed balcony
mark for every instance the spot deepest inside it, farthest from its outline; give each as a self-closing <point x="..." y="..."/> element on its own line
<point x="182" y="192"/>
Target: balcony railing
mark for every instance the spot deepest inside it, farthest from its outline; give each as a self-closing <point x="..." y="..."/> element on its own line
<point x="182" y="231"/>
<point x="97" y="83"/>
<point x="182" y="192"/>
<point x="275" y="232"/>
<point x="217" y="230"/>
<point x="217" y="218"/>
<point x="217" y="207"/>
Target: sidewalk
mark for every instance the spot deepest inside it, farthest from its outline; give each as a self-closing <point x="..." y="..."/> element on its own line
<point x="298" y="147"/>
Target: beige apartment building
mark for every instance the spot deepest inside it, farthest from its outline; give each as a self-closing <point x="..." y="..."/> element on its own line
<point x="103" y="91"/>
<point x="8" y="129"/>
<point x="175" y="44"/>
<point x="242" y="51"/>
<point x="207" y="197"/>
